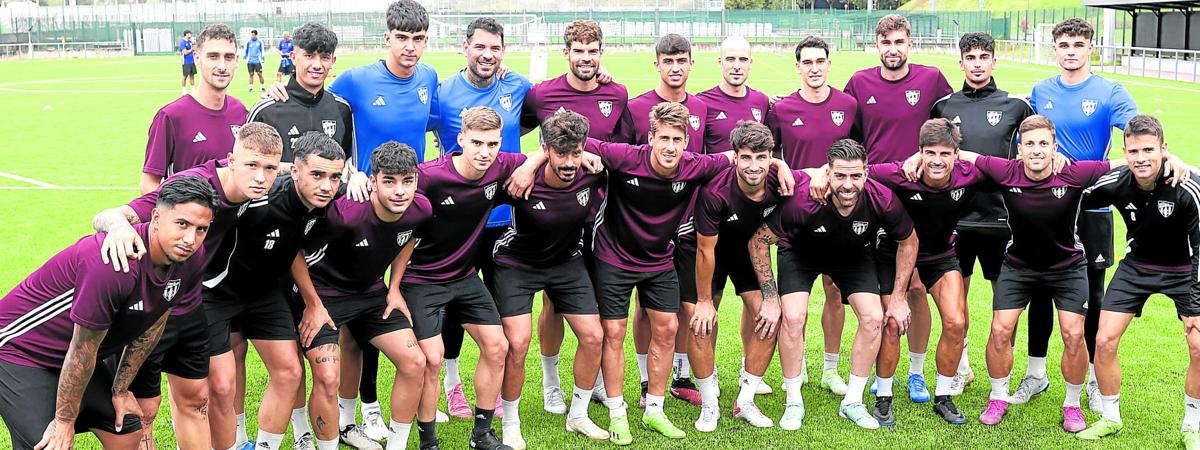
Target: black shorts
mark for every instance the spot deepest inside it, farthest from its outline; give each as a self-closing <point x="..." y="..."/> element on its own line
<point x="286" y="68"/>
<point x="658" y="291"/>
<point x="685" y="271"/>
<point x="929" y="272"/>
<point x="730" y="264"/>
<point x="589" y="259"/>
<point x="1131" y="286"/>
<point x="267" y="317"/>
<point x="797" y="273"/>
<point x="984" y="244"/>
<point x="189" y="70"/>
<point x="254" y="67"/>
<point x="471" y="302"/>
<point x="181" y="351"/>
<point x="567" y="285"/>
<point x="1096" y="231"/>
<point x="362" y="313"/>
<point x="27" y="403"/>
<point x="1017" y="285"/>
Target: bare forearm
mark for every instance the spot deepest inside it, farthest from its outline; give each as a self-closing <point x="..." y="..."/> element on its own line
<point x="149" y="182"/>
<point x="705" y="263"/>
<point x="115" y="218"/>
<point x="760" y="260"/>
<point x="76" y="372"/>
<point x="135" y="354"/>
<point x="906" y="259"/>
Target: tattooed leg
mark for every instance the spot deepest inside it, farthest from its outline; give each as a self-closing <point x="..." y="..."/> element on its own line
<point x="322" y="405"/>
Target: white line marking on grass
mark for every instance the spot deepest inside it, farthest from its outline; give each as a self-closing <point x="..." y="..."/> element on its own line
<point x="74" y="80"/>
<point x="67" y="188"/>
<point x="89" y="91"/>
<point x="40" y="184"/>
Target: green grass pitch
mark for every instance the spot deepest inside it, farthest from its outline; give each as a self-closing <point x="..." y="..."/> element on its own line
<point x="82" y="123"/>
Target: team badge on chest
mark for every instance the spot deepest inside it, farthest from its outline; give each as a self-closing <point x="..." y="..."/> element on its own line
<point x="329" y="126"/>
<point x="309" y="226"/>
<point x="757" y="113"/>
<point x="859" y="227"/>
<point x="1166" y="208"/>
<point x="956" y="194"/>
<point x="490" y="190"/>
<point x="170" y="290"/>
<point x="993" y="117"/>
<point x="583" y="196"/>
<point x="678" y="186"/>
<point x="1089" y="107"/>
<point x="402" y="237"/>
<point x="506" y="102"/>
<point x="1059" y="192"/>
<point x="423" y="95"/>
<point x="605" y="107"/>
<point x="913" y="96"/>
<point x="838" y="117"/>
<point x="694" y="121"/>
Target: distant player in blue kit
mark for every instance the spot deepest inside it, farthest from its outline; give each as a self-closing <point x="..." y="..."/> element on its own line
<point x="286" y="47"/>
<point x="254" y="60"/>
<point x="189" y="61"/>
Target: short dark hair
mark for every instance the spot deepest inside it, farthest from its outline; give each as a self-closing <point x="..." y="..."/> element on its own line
<point x="487" y="24"/>
<point x="847" y="150"/>
<point x="393" y="158"/>
<point x="976" y="40"/>
<point x="313" y="37"/>
<point x="672" y="44"/>
<point x="940" y="132"/>
<point x="1073" y="27"/>
<point x="564" y="131"/>
<point x="253" y="31"/>
<point x="187" y="32"/>
<point x="407" y="16"/>
<point x="812" y="42"/>
<point x="216" y="31"/>
<point x="752" y="135"/>
<point x="1143" y="124"/>
<point x="186" y="189"/>
<point x="316" y="143"/>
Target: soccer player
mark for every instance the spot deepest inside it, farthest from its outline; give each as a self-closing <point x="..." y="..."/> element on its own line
<point x="987" y="117"/>
<point x="202" y="126"/>
<point x="253" y="291"/>
<point x="75" y="310"/>
<point x="805" y="124"/>
<point x="836" y="239"/>
<point x="286" y="49"/>
<point x="189" y="62"/>
<point x="894" y="99"/>
<point x="603" y="105"/>
<point x="542" y="251"/>
<point x="728" y="211"/>
<point x="478" y="84"/>
<point x="182" y="353"/>
<point x="254" y="60"/>
<point x="1084" y="108"/>
<point x="311" y="108"/>
<point x="1162" y="223"/>
<point x="342" y="286"/>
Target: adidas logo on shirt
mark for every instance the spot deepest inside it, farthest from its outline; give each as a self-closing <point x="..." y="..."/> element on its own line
<point x="1049" y="105"/>
<point x="362" y="243"/>
<point x="1100" y="258"/>
<point x="274" y="234"/>
<point x="293" y="131"/>
<point x="720" y="116"/>
<point x="957" y="120"/>
<point x="871" y="101"/>
<point x="1015" y="190"/>
<point x="540" y="206"/>
<point x="797" y="122"/>
<point x="820" y="229"/>
<point x="916" y="196"/>
<point x="448" y="201"/>
<point x="379" y="101"/>
<point x="633" y="182"/>
<point x="137" y="306"/>
<point x="732" y="218"/>
<point x="199" y="138"/>
<point x="1131" y="207"/>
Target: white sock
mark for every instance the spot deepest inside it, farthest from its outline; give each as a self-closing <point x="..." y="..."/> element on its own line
<point x="398" y="437"/>
<point x="831" y="361"/>
<point x="1091" y="373"/>
<point x="451" y="378"/>
<point x="708" y="390"/>
<point x="368" y="407"/>
<point x="749" y="385"/>
<point x="964" y="363"/>
<point x="942" y="385"/>
<point x="579" y="403"/>
<point x="616" y="406"/>
<point x="854" y="389"/>
<point x="1112" y="407"/>
<point x="241" y="429"/>
<point x="883" y="386"/>
<point x="331" y="444"/>
<point x="346" y="411"/>
<point x="682" y="368"/>
<point x="642" y="369"/>
<point x="511" y="411"/>
<point x="1072" y="397"/>
<point x="268" y="441"/>
<point x="1191" y="413"/>
<point x="300" y="421"/>
<point x="999" y="389"/>
<point x="1037" y="367"/>
<point x="916" y="363"/>
<point x="654" y="403"/>
<point x="791" y="388"/>
<point x="550" y="372"/>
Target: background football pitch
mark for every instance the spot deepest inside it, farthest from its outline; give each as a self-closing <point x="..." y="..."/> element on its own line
<point x="74" y="136"/>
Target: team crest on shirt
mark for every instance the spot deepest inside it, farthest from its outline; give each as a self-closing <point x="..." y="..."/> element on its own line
<point x="838" y="117"/>
<point x="506" y="102"/>
<point x="757" y="113"/>
<point x="402" y="238"/>
<point x="235" y="129"/>
<point x="171" y="289"/>
<point x="583" y="196"/>
<point x="309" y="226"/>
<point x="329" y="127"/>
<point x="1059" y="192"/>
<point x="605" y="107"/>
<point x="1166" y="208"/>
<point x="1089" y="107"/>
<point x="993" y="117"/>
<point x="490" y="190"/>
<point x="913" y="96"/>
<point x="859" y="227"/>
<point x="767" y="212"/>
<point x="694" y="121"/>
<point x="678" y="186"/>
<point x="423" y="95"/>
<point x="956" y="194"/>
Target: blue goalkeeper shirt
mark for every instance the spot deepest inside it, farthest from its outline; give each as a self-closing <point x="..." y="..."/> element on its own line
<point x="388" y="108"/>
<point x="254" y="51"/>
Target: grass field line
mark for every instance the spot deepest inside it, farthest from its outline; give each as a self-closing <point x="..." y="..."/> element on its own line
<point x="40" y="184"/>
<point x="73" y="80"/>
<point x="68" y="188"/>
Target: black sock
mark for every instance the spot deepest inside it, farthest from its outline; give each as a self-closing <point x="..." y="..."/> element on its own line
<point x="428" y="432"/>
<point x="483" y="421"/>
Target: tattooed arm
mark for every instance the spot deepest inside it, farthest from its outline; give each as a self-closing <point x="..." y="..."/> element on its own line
<point x="72" y="381"/>
<point x="760" y="259"/>
<point x="122" y="243"/>
<point x="132" y="358"/>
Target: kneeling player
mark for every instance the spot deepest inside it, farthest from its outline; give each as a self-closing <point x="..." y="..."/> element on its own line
<point x="342" y="285"/>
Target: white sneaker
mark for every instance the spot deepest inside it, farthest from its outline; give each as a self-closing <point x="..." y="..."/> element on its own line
<point x="1029" y="388"/>
<point x="793" y="417"/>
<point x="586" y="427"/>
<point x="753" y="416"/>
<point x="960" y="382"/>
<point x="708" y="418"/>
<point x="512" y="436"/>
<point x="599" y="394"/>
<point x="373" y="427"/>
<point x="305" y="442"/>
<point x="552" y="400"/>
<point x="763" y="389"/>
<point x="1093" y="395"/>
<point x="353" y="436"/>
<point x="441" y="417"/>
